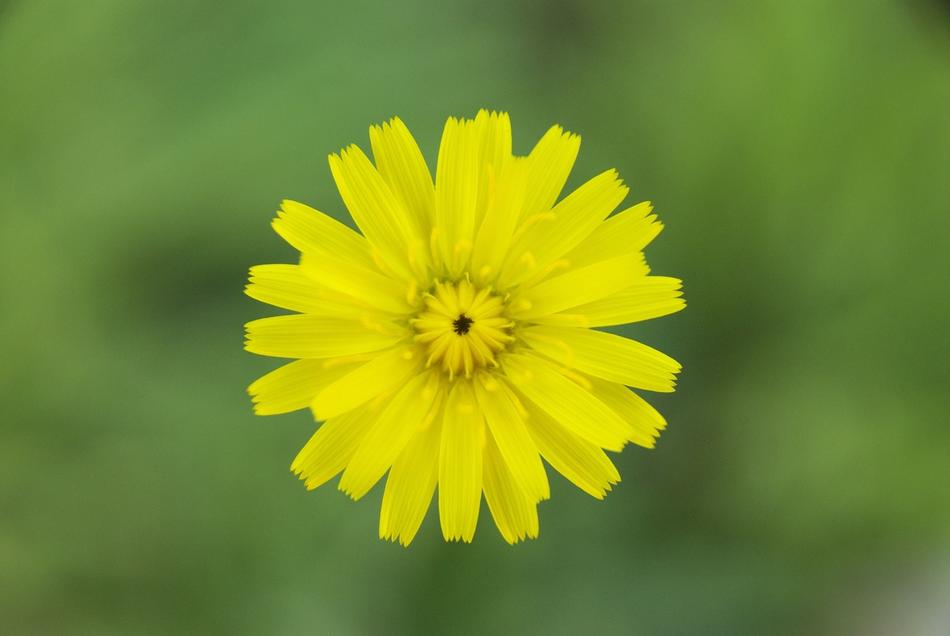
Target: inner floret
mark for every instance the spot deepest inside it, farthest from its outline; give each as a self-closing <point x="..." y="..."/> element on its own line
<point x="462" y="328"/>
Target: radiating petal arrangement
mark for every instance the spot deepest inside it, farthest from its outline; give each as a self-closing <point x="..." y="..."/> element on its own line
<point x="452" y="344"/>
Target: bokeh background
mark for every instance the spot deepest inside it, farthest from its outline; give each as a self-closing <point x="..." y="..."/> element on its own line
<point x="799" y="154"/>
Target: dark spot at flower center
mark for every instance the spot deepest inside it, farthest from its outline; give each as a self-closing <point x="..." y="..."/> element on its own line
<point x="462" y="324"/>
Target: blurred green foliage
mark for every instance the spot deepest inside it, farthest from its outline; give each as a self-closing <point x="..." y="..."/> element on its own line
<point x="799" y="154"/>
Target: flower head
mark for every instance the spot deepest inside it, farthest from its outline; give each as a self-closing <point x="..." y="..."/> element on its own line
<point x="455" y="342"/>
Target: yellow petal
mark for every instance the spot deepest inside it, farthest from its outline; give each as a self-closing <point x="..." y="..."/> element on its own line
<point x="515" y="514"/>
<point x="625" y="232"/>
<point x="366" y="285"/>
<point x="402" y="417"/>
<point x="460" y="464"/>
<point x="582" y="463"/>
<point x="305" y="336"/>
<point x="494" y="134"/>
<point x="380" y="375"/>
<point x="289" y="287"/>
<point x="506" y="424"/>
<point x="644" y="420"/>
<point x="293" y="386"/>
<point x="493" y="131"/>
<point x="456" y="192"/>
<point x="578" y="287"/>
<point x="565" y="401"/>
<point x="401" y="164"/>
<point x="570" y="222"/>
<point x="376" y="210"/>
<point x="314" y="232"/>
<point x="650" y="297"/>
<point x="499" y="222"/>
<point x="549" y="165"/>
<point x="410" y="485"/>
<point x="605" y="355"/>
<point x="331" y="447"/>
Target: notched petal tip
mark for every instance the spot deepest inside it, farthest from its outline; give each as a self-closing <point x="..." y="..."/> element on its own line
<point x="337" y="158"/>
<point x="393" y="123"/>
<point x="346" y="490"/>
<point x="642" y="443"/>
<point x="392" y="537"/>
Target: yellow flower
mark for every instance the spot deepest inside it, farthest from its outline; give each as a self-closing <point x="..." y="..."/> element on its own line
<point x="453" y="343"/>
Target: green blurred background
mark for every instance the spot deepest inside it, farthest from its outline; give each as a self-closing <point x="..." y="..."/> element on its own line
<point x="799" y="154"/>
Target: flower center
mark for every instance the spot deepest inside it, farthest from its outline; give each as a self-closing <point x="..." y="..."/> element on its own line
<point x="462" y="327"/>
<point x="462" y="324"/>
